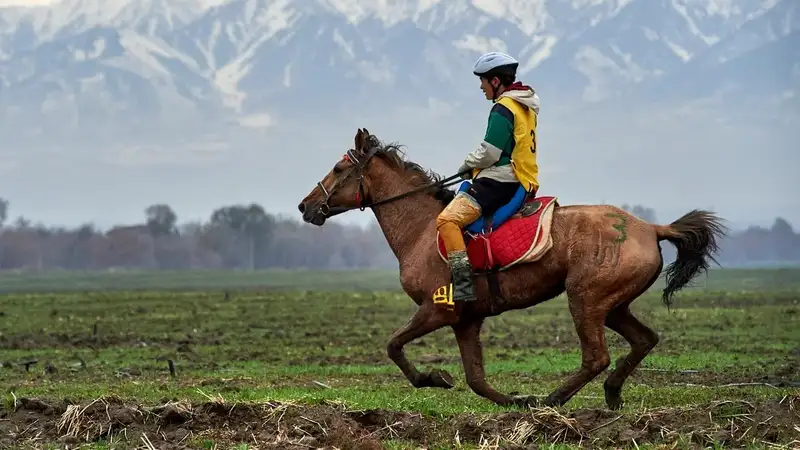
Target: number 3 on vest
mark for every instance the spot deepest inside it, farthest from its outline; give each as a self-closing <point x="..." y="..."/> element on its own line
<point x="533" y="141"/>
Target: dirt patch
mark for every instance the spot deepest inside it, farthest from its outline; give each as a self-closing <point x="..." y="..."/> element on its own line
<point x="49" y="340"/>
<point x="777" y="374"/>
<point x="177" y="425"/>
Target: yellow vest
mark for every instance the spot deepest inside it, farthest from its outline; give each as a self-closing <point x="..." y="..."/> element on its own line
<point x="523" y="156"/>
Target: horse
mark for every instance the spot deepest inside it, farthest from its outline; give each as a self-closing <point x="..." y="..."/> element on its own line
<point x="600" y="255"/>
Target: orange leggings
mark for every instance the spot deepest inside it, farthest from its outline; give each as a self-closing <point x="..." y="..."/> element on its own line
<point x="450" y="223"/>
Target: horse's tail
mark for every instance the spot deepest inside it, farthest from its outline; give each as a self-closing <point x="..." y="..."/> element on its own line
<point x="695" y="237"/>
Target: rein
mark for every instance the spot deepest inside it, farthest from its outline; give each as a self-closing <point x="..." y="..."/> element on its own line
<point x="358" y="167"/>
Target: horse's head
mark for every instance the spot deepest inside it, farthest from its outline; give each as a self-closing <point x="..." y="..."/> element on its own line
<point x="343" y="188"/>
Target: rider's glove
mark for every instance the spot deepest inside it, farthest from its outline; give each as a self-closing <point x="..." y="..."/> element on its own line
<point x="465" y="171"/>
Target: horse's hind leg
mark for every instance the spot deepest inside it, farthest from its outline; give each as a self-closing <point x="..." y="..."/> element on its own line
<point x="642" y="340"/>
<point x="594" y="353"/>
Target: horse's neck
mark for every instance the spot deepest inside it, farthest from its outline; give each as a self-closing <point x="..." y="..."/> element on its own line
<point x="404" y="221"/>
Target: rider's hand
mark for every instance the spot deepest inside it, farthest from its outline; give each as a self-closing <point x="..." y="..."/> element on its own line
<point x="465" y="171"/>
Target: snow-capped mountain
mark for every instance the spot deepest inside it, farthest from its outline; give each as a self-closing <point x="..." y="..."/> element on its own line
<point x="756" y="66"/>
<point x="644" y="41"/>
<point x="96" y="63"/>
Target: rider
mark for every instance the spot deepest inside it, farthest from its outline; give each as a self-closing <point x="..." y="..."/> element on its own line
<point x="505" y="159"/>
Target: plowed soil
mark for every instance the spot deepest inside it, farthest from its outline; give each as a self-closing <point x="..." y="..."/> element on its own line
<point x="177" y="425"/>
<point x="264" y="370"/>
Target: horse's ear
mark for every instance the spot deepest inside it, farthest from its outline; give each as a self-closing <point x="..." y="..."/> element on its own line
<point x="364" y="141"/>
<point x="361" y="140"/>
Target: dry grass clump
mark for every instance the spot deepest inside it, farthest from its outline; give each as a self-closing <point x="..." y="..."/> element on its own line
<point x="101" y="418"/>
<point x="286" y="425"/>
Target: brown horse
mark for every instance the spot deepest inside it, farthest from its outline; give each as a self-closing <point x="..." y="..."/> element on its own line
<point x="600" y="273"/>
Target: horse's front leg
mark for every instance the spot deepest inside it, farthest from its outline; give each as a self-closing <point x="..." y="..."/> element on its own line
<point x="426" y="320"/>
<point x="469" y="343"/>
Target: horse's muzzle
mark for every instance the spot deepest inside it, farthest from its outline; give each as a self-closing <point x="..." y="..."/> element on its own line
<point x="315" y="216"/>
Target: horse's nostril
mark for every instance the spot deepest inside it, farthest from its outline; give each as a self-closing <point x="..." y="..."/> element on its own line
<point x="301" y="207"/>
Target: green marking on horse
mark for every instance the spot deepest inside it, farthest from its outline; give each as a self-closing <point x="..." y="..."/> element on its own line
<point x="621" y="226"/>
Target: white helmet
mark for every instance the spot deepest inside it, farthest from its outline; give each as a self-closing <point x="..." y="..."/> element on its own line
<point x="496" y="63"/>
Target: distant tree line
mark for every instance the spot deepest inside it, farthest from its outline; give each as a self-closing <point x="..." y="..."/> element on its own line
<point x="248" y="237"/>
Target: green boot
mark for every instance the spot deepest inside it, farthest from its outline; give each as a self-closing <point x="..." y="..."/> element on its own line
<point x="461" y="271"/>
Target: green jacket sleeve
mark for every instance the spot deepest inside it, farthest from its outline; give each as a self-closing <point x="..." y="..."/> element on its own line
<point x="499" y="134"/>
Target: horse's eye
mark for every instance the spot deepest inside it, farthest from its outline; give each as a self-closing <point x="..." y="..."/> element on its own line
<point x="337" y="168"/>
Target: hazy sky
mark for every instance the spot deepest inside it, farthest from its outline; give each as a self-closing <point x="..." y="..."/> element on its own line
<point x="24" y="2"/>
<point x="746" y="174"/>
<point x="745" y="169"/>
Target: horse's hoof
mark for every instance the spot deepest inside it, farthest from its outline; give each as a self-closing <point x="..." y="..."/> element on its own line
<point x="615" y="406"/>
<point x="525" y="401"/>
<point x="614" y="403"/>
<point x="613" y="398"/>
<point x="440" y="379"/>
<point x="552" y="401"/>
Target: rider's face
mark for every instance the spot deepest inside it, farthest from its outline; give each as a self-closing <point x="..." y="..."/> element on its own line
<point x="486" y="87"/>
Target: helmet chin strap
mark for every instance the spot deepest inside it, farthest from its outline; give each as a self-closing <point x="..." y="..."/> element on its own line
<point x="494" y="92"/>
<point x="493" y="88"/>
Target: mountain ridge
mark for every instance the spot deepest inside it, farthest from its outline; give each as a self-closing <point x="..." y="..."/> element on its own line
<point x="242" y="61"/>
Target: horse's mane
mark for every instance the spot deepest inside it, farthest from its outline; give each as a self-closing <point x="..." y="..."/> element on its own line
<point x="392" y="154"/>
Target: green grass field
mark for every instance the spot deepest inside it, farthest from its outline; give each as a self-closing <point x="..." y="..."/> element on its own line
<point x="385" y="280"/>
<point x="298" y="360"/>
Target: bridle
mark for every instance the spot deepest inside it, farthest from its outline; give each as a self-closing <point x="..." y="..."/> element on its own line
<point x="359" y="164"/>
